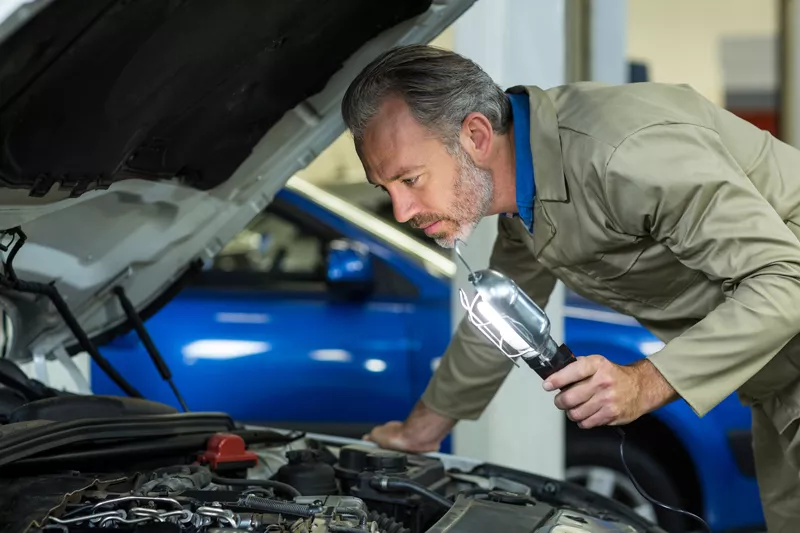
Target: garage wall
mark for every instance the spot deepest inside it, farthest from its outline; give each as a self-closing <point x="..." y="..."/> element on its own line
<point x="682" y="40"/>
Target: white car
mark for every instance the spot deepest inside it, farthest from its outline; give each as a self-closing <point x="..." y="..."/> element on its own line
<point x="137" y="138"/>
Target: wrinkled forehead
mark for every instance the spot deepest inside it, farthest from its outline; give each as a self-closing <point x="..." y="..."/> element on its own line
<point x="395" y="144"/>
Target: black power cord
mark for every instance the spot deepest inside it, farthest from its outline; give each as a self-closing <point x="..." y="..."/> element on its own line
<point x="642" y="491"/>
<point x="148" y="343"/>
<point x="6" y="334"/>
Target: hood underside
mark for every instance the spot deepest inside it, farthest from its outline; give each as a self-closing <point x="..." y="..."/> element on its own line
<point x="138" y="136"/>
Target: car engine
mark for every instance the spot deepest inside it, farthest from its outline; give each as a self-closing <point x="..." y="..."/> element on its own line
<point x="218" y="511"/>
<point x="306" y="486"/>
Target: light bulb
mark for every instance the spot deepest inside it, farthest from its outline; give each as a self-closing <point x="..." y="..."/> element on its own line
<point x="507" y="333"/>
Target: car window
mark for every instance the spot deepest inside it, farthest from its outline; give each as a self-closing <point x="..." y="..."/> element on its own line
<point x="277" y="250"/>
<point x="274" y="245"/>
<point x="284" y="248"/>
<point x="377" y="202"/>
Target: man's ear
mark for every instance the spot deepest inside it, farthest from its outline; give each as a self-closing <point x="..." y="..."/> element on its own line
<point x="477" y="136"/>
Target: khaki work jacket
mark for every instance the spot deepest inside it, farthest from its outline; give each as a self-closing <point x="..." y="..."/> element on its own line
<point x="662" y="206"/>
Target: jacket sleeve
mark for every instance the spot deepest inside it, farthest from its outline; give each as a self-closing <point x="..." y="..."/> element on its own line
<point x="472" y="368"/>
<point x="678" y="185"/>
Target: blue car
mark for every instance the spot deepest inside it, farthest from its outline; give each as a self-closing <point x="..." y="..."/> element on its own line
<point x="321" y="307"/>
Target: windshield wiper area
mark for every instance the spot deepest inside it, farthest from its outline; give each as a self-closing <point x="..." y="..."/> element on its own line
<point x="11" y="281"/>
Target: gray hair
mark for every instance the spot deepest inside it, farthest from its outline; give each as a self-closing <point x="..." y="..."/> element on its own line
<point x="440" y="88"/>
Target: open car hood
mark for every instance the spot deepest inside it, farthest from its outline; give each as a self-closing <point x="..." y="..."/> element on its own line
<point x="137" y="137"/>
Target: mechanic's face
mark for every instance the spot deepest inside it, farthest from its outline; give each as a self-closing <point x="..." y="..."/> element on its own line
<point x="430" y="188"/>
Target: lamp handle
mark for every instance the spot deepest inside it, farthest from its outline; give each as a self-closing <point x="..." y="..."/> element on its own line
<point x="545" y="369"/>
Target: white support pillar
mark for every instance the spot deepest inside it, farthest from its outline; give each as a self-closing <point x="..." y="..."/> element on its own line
<point x="789" y="71"/>
<point x="607" y="41"/>
<point x="516" y="42"/>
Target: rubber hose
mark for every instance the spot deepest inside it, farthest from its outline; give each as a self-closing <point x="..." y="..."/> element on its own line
<point x="263" y="483"/>
<point x="354" y="511"/>
<point x="276" y="506"/>
<point x="387" y="484"/>
<point x="387" y="524"/>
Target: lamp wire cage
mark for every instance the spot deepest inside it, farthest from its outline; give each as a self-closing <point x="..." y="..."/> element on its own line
<point x="492" y="331"/>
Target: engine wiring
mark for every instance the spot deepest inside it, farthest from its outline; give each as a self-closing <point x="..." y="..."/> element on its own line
<point x="208" y="510"/>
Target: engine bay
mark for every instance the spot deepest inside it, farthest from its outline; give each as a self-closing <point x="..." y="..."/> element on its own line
<point x="268" y="481"/>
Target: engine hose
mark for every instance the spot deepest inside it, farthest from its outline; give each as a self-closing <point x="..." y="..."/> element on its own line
<point x="276" y="506"/>
<point x="354" y="511"/>
<point x="387" y="524"/>
<point x="391" y="484"/>
<point x="263" y="483"/>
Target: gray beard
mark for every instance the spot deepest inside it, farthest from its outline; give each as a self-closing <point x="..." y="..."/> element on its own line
<point x="473" y="190"/>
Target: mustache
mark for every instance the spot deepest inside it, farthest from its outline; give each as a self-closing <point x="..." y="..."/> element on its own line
<point x="426" y="219"/>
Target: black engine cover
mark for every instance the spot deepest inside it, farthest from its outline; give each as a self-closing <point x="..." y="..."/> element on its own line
<point x="479" y="516"/>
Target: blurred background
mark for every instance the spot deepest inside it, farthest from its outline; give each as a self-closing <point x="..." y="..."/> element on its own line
<point x="728" y="50"/>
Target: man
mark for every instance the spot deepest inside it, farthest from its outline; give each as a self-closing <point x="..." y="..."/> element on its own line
<point x="645" y="198"/>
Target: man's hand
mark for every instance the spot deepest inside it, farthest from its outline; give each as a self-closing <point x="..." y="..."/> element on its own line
<point x="596" y="392"/>
<point x="422" y="432"/>
<point x="393" y="436"/>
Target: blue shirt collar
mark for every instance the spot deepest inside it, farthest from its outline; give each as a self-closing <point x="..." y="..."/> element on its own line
<point x="526" y="186"/>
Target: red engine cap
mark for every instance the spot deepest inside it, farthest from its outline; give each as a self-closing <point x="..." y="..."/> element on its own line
<point x="228" y="452"/>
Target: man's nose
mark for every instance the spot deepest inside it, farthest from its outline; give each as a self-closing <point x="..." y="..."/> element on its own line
<point x="404" y="207"/>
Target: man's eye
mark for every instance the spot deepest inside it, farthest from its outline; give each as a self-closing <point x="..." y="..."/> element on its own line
<point x="411" y="181"/>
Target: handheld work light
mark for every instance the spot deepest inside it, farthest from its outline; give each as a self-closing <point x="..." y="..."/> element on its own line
<point x="512" y="321"/>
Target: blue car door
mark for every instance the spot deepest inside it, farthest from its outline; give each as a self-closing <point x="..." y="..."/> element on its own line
<point x="263" y="336"/>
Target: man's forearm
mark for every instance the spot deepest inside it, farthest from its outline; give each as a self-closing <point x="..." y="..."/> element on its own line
<point x="424" y="427"/>
<point x="656" y="392"/>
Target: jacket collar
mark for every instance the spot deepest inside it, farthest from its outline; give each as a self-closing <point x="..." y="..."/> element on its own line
<point x="545" y="145"/>
<point x="547" y="167"/>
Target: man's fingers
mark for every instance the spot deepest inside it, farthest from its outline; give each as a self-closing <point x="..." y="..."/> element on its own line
<point x="585" y="411"/>
<point x="574" y="396"/>
<point x="608" y="415"/>
<point x="581" y="369"/>
<point x="594" y="392"/>
<point x="600" y="418"/>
